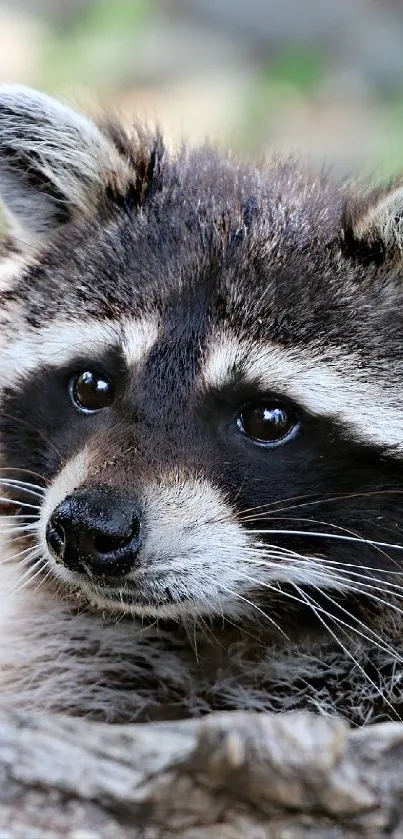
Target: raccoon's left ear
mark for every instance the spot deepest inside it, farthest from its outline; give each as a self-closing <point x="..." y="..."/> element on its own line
<point x="55" y="163"/>
<point x="373" y="227"/>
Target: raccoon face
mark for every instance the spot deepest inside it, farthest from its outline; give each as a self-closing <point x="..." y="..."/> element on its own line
<point x="201" y="374"/>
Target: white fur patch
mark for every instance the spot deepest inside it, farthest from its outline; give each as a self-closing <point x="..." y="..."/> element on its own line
<point x="62" y="341"/>
<point x="339" y="389"/>
<point x="194" y="539"/>
<point x="11" y="268"/>
<point x="71" y="477"/>
<point x="138" y="336"/>
<point x="54" y="345"/>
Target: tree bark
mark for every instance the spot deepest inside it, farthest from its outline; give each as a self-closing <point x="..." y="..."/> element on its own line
<point x="227" y="776"/>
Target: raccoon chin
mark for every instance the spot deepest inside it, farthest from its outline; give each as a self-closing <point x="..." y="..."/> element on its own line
<point x="126" y="601"/>
<point x="150" y="599"/>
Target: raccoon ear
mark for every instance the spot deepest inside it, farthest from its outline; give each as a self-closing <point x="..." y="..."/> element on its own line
<point x="373" y="227"/>
<point x="54" y="163"/>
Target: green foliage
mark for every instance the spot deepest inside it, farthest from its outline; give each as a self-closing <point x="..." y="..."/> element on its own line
<point x="98" y="47"/>
<point x="299" y="67"/>
<point x="294" y="72"/>
<point x="388" y="158"/>
<point x="105" y="17"/>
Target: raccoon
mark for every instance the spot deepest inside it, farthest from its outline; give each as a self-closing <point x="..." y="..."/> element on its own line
<point x="201" y="428"/>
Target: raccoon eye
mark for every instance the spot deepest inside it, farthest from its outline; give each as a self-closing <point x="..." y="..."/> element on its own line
<point x="90" y="391"/>
<point x="268" y="424"/>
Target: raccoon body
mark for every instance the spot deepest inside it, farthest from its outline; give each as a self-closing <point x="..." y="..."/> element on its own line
<point x="201" y="428"/>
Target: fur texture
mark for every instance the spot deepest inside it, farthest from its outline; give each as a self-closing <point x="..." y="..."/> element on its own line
<point x="244" y="327"/>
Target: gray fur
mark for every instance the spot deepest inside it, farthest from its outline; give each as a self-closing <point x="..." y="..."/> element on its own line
<point x="59" y="657"/>
<point x="198" y="280"/>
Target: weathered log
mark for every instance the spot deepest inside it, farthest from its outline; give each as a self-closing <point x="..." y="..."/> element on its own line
<point x="229" y="775"/>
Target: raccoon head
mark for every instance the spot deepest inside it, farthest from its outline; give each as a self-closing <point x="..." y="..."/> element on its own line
<point x="201" y="367"/>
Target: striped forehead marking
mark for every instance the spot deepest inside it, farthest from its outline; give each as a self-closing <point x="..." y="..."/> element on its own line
<point x="26" y="350"/>
<point x="341" y="388"/>
<point x="138" y="337"/>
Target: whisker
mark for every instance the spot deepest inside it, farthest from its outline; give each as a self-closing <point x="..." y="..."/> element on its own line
<point x="371" y="638"/>
<point x="255" y="607"/>
<point x="190" y="632"/>
<point x="207" y="630"/>
<point x="13" y="557"/>
<point x="21" y="469"/>
<point x="316" y="501"/>
<point x="28" y="576"/>
<point x="380" y="643"/>
<point x="268" y="505"/>
<point x="316" y="609"/>
<point x="337" y="576"/>
<point x="325" y="561"/>
<point x="367" y="582"/>
<point x="43" y="579"/>
<point x="258" y="557"/>
<point x="343" y="530"/>
<point x="21" y="489"/>
<point x="24" y="484"/>
<point x="38" y="568"/>
<point x="274" y="551"/>
<point x="14" y="503"/>
<point x="35" y="428"/>
<point x="19" y="527"/>
<point x="336" y="536"/>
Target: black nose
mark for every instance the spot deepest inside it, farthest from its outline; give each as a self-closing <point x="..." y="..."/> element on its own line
<point x="95" y="531"/>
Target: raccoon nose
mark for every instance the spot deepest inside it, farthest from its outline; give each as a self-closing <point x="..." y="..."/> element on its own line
<point x="95" y="531"/>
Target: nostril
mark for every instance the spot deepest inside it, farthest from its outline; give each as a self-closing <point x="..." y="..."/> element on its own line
<point x="56" y="538"/>
<point x="105" y="543"/>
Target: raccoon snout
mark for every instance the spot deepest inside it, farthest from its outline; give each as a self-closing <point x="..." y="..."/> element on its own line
<point x="95" y="531"/>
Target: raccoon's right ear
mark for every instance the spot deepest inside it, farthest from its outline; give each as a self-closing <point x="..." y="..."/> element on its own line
<point x="55" y="163"/>
<point x="372" y="227"/>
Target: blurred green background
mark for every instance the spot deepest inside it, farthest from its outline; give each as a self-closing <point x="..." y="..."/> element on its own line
<point x="323" y="77"/>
